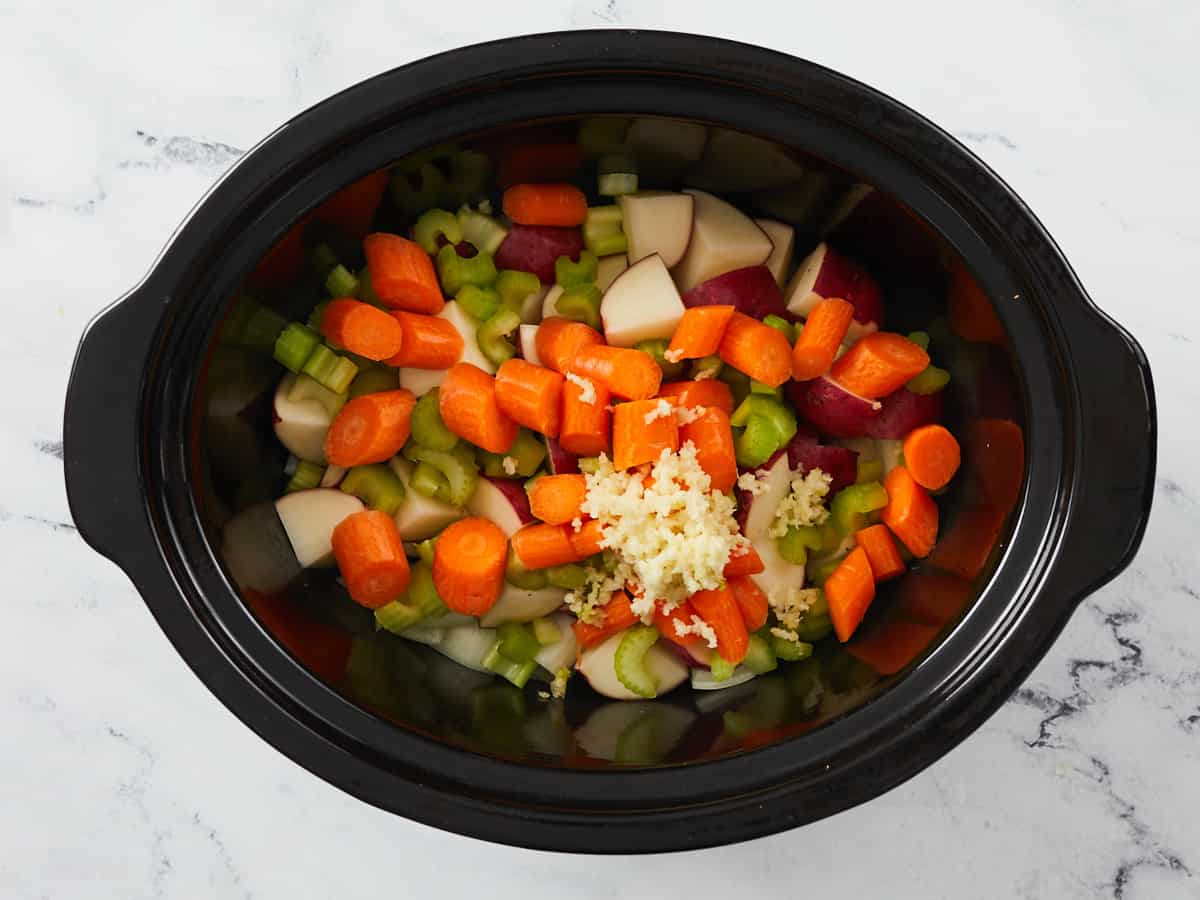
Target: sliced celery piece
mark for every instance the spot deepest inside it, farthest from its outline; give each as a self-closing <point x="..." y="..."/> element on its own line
<point x="849" y="507"/>
<point x="305" y="476"/>
<point x="707" y="367"/>
<point x="458" y="465"/>
<point x="657" y="347"/>
<point x="581" y="303"/>
<point x="340" y="282"/>
<point x="428" y="481"/>
<point x="252" y="326"/>
<point x="569" y="577"/>
<point x="791" y="651"/>
<point x="454" y="271"/>
<point x="469" y="174"/>
<point x="514" y="286"/>
<point x="492" y="336"/>
<point x="516" y="673"/>
<point x="722" y="669"/>
<point x="604" y="216"/>
<point x="518" y="576"/>
<point x="482" y="232"/>
<point x="295" y="345"/>
<point x="614" y="184"/>
<point x="427" y="191"/>
<point x="314" y="317"/>
<point x="757" y="387"/>
<point x="794" y="545"/>
<point x="546" y="631"/>
<point x="330" y="370"/>
<point x="306" y="388"/>
<point x="569" y="273"/>
<point x="427" y="426"/>
<point x="602" y="233"/>
<point x="517" y="642"/>
<point x="920" y="338"/>
<point x="588" y="465"/>
<point x="478" y="303"/>
<point x="739" y="384"/>
<point x="375" y="485"/>
<point x="434" y="225"/>
<point x="366" y="292"/>
<point x="868" y="470"/>
<point x="373" y="380"/>
<point x="602" y="135"/>
<point x="425" y="550"/>
<point x="322" y="259"/>
<point x="629" y="660"/>
<point x="755" y="444"/>
<point x="760" y="657"/>
<point x="527" y="452"/>
<point x="419" y="602"/>
<point x="930" y="381"/>
<point x="782" y="325"/>
<point x="773" y="409"/>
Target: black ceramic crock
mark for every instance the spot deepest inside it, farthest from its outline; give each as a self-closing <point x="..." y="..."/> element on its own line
<point x="1082" y="386"/>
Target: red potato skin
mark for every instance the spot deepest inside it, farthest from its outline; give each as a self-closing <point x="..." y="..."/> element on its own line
<point x="752" y="291"/>
<point x="903" y="411"/>
<point x="805" y="452"/>
<point x="560" y="461"/>
<point x="841" y="277"/>
<point x="831" y="410"/>
<point x="513" y="490"/>
<point x="534" y="248"/>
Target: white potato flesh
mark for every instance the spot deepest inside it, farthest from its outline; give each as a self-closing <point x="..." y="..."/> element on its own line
<point x="489" y="502"/>
<point x="641" y="304"/>
<point x="421" y="381"/>
<point x="527" y="340"/>
<point x="550" y="301"/>
<point x="736" y="162"/>
<point x="309" y="518"/>
<point x="665" y="145"/>
<point x="560" y="654"/>
<point x="610" y="267"/>
<point x="301" y="426"/>
<point x="608" y="731"/>
<point x="420" y="517"/>
<point x="598" y="666"/>
<point x="520" y="605"/>
<point x="257" y="550"/>
<point x="723" y="239"/>
<point x="783" y="247"/>
<point x="657" y="222"/>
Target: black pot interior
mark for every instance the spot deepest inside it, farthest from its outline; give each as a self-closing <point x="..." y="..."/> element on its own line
<point x="926" y="286"/>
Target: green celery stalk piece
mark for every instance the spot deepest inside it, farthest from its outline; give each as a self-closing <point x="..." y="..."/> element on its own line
<point x="492" y="336"/>
<point x="629" y="661"/>
<point x="435" y="224"/>
<point x="455" y="271"/>
<point x="426" y="425"/>
<point x="375" y="485"/>
<point x="569" y="273"/>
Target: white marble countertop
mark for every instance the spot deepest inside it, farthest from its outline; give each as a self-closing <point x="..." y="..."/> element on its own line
<point x="121" y="776"/>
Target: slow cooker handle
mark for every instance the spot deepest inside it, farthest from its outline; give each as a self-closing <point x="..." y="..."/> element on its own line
<point x="101" y="456"/>
<point x="1114" y="483"/>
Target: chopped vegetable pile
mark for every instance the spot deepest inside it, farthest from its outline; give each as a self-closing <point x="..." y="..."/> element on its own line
<point x="631" y="440"/>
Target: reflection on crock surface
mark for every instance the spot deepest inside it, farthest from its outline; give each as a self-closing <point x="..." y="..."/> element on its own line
<point x="253" y="413"/>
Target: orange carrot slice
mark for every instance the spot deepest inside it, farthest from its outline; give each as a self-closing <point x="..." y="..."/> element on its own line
<point x="467" y="402"/>
<point x="910" y="513"/>
<point x="932" y="456"/>
<point x="625" y="372"/>
<point x="751" y="600"/>
<point x="586" y="541"/>
<point x="699" y="332"/>
<point x="849" y="589"/>
<point x="820" y="338"/>
<point x="585" y="427"/>
<point x="541" y="546"/>
<point x="699" y="394"/>
<point x="370" y="429"/>
<point x="530" y="395"/>
<point x="545" y="204"/>
<point x="641" y="432"/>
<point x="712" y="437"/>
<point x="468" y="565"/>
<point x="370" y="556"/>
<point x="879" y="364"/>
<point x="756" y="350"/>
<point x="428" y="342"/>
<point x="559" y="339"/>
<point x="618" y="615"/>
<point x="402" y="273"/>
<point x="747" y="563"/>
<point x="886" y="561"/>
<point x="721" y="611"/>
<point x="556" y="499"/>
<point x="361" y="328"/>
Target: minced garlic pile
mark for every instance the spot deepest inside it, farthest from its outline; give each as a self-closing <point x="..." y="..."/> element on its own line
<point x="804" y="503"/>
<point x="673" y="538"/>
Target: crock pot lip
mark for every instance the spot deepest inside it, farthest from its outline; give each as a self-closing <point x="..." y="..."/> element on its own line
<point x="579" y="46"/>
